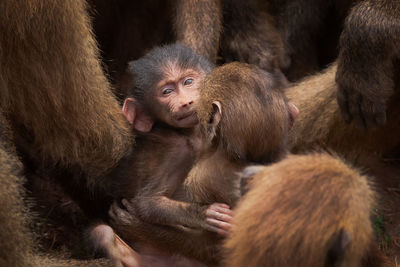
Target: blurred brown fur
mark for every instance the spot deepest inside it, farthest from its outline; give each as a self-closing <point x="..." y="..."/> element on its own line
<point x="309" y="210"/>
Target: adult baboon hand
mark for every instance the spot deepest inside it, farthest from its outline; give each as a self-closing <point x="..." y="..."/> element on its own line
<point x="218" y="218"/>
<point x="367" y="113"/>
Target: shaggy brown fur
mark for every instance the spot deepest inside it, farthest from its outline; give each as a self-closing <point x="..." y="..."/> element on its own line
<point x="310" y="210"/>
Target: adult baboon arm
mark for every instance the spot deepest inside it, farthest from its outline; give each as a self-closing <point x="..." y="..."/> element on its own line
<point x="369" y="46"/>
<point x="320" y="123"/>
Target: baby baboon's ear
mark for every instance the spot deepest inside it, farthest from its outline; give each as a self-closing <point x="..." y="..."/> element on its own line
<point x="293" y="112"/>
<point x="136" y="116"/>
<point x="214" y="119"/>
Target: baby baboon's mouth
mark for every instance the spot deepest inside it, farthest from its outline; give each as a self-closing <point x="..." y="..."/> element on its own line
<point x="186" y="115"/>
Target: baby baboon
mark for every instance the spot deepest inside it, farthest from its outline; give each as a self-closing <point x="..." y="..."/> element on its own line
<point x="244" y="117"/>
<point x="163" y="90"/>
<point x="265" y="118"/>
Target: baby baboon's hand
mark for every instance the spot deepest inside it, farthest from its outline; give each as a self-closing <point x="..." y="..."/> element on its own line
<point x="120" y="215"/>
<point x="218" y="218"/>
